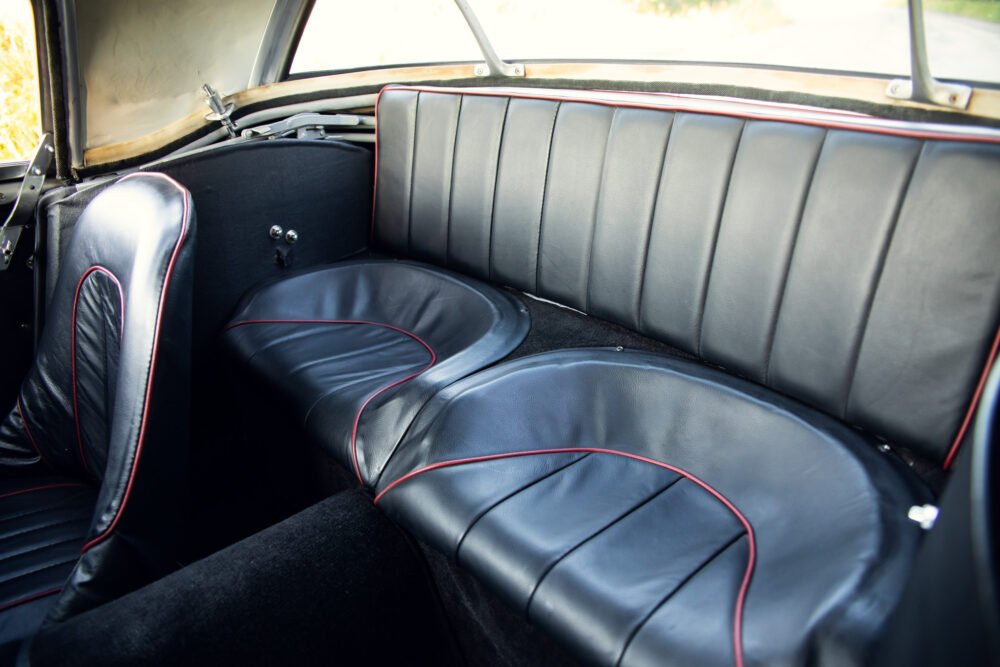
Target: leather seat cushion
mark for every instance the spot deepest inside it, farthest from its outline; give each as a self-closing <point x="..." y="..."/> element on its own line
<point x="646" y="510"/>
<point x="43" y="525"/>
<point x="358" y="347"/>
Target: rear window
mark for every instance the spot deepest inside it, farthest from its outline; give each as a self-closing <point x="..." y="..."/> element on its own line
<point x="342" y="35"/>
<point x="867" y="36"/>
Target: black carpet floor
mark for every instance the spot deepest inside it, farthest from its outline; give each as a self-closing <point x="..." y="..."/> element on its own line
<point x="336" y="584"/>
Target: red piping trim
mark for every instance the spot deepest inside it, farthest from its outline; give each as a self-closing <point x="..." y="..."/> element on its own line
<point x="56" y="485"/>
<point x="751" y="557"/>
<point x="152" y="362"/>
<point x="27" y="430"/>
<point x="72" y="347"/>
<point x="30" y="598"/>
<point x="915" y="134"/>
<point x="357" y="417"/>
<point x="957" y="443"/>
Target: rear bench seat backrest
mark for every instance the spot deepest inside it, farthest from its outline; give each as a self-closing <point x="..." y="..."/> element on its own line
<point x="855" y="270"/>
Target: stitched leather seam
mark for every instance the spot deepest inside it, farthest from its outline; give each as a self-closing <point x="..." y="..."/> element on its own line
<point x="451" y="183"/>
<point x="651" y="224"/>
<point x="36" y="548"/>
<point x="413" y="177"/>
<point x="641" y="624"/>
<point x="396" y="383"/>
<point x="536" y="288"/>
<point x="46" y="568"/>
<point x="588" y="272"/>
<point x="773" y="324"/>
<point x="621" y="517"/>
<point x="748" y="528"/>
<point x="356" y="378"/>
<point x="496" y="184"/>
<point x="42" y="526"/>
<point x="519" y="490"/>
<point x="703" y="300"/>
<point x="34" y="511"/>
<point x="877" y="278"/>
<point x="72" y="348"/>
<point x="371" y="227"/>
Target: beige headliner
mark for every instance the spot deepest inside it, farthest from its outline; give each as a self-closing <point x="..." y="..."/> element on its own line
<point x="985" y="102"/>
<point x="142" y="65"/>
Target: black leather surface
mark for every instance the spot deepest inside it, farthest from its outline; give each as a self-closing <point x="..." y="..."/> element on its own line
<point x="43" y="524"/>
<point x="619" y="543"/>
<point x="389" y="335"/>
<point x="105" y="401"/>
<point x="853" y="270"/>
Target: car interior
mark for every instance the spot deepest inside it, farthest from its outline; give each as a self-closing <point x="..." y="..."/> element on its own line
<point x="507" y="372"/>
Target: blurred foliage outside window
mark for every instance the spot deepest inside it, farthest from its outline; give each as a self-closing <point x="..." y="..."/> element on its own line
<point x="20" y="123"/>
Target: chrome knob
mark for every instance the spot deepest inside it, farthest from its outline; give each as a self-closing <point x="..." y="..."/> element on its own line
<point x="275" y="232"/>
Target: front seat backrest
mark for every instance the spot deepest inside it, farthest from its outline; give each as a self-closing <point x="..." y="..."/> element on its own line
<point x="107" y="397"/>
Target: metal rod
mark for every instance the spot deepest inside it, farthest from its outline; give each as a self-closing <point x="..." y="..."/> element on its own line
<point x="920" y="71"/>
<point x="275" y="50"/>
<point x="922" y="87"/>
<point x="495" y="66"/>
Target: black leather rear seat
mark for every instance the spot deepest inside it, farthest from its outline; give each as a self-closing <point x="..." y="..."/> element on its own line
<point x="358" y="347"/>
<point x="649" y="511"/>
<point x="654" y="511"/>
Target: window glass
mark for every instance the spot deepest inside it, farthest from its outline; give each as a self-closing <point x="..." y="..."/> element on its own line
<point x="342" y="34"/>
<point x="850" y="35"/>
<point x="963" y="39"/>
<point x="868" y="36"/>
<point x="20" y="124"/>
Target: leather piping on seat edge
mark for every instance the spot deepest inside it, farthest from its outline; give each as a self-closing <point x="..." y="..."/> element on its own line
<point x="744" y="585"/>
<point x="973" y="404"/>
<point x="376" y="393"/>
